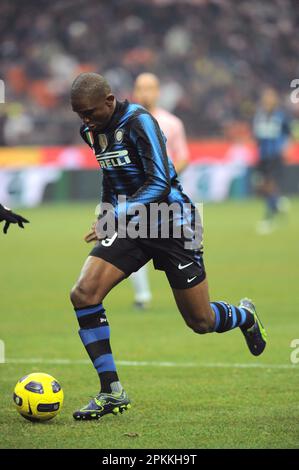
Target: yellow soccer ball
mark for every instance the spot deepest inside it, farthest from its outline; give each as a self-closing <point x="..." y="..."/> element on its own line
<point x="38" y="397"/>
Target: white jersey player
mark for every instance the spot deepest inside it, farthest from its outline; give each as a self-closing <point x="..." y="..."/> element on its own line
<point x="146" y="93"/>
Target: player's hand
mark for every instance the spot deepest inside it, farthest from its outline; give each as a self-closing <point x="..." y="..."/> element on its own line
<point x="97" y="233"/>
<point x="11" y="218"/>
<point x="91" y="236"/>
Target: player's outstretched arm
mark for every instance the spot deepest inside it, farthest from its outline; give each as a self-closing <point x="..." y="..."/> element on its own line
<point x="11" y="218"/>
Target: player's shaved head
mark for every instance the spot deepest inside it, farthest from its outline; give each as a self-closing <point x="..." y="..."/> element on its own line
<point x="269" y="99"/>
<point x="92" y="100"/>
<point x="89" y="84"/>
<point x="147" y="79"/>
<point x="147" y="90"/>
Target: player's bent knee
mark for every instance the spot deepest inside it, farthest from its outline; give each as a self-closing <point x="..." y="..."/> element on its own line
<point x="201" y="326"/>
<point x="75" y="296"/>
<point x="81" y="296"/>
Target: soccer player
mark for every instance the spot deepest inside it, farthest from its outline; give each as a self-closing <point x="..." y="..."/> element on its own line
<point x="130" y="148"/>
<point x="147" y="92"/>
<point x="11" y="218"/>
<point x="271" y="130"/>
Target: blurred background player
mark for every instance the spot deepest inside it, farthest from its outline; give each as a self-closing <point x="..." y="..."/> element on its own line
<point x="147" y="92"/>
<point x="11" y="218"/>
<point x="271" y="130"/>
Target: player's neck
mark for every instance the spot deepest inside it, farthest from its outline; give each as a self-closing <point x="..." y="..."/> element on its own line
<point x="152" y="109"/>
<point x="113" y="107"/>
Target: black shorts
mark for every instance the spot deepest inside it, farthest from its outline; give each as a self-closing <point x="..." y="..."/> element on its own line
<point x="183" y="267"/>
<point x="271" y="169"/>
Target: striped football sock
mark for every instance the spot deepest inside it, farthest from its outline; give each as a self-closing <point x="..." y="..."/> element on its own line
<point x="95" y="335"/>
<point x="228" y="317"/>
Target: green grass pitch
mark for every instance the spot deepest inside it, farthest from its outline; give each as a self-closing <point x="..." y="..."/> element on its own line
<point x="214" y="394"/>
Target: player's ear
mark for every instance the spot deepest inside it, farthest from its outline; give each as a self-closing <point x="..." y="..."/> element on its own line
<point x="110" y="99"/>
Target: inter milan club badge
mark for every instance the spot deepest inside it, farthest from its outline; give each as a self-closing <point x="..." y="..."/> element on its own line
<point x="119" y="135"/>
<point x="103" y="142"/>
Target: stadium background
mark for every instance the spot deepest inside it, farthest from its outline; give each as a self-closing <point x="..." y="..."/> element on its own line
<point x="213" y="58"/>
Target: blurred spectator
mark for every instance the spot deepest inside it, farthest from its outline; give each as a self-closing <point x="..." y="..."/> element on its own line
<point x="294" y="109"/>
<point x="18" y="126"/>
<point x="212" y="56"/>
<point x="3" y="120"/>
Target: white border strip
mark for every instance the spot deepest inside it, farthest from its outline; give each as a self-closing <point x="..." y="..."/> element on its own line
<point x="153" y="363"/>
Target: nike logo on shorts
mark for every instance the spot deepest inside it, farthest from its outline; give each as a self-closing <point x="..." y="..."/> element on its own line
<point x="109" y="241"/>
<point x="192" y="279"/>
<point x="185" y="265"/>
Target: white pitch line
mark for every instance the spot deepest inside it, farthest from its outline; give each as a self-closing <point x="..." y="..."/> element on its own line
<point x="153" y="363"/>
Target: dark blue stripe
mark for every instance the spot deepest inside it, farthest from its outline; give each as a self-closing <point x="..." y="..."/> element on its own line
<point x="80" y="312"/>
<point x="234" y="313"/>
<point x="150" y="129"/>
<point x="217" y="316"/>
<point x="225" y="306"/>
<point x="132" y="108"/>
<point x="92" y="335"/>
<point x="105" y="363"/>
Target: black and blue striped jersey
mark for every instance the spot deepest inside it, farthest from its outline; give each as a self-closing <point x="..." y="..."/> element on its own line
<point x="132" y="154"/>
<point x="271" y="131"/>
